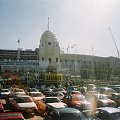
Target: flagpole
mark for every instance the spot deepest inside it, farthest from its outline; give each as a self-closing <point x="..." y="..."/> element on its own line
<point x="18" y="43"/>
<point x="18" y="51"/>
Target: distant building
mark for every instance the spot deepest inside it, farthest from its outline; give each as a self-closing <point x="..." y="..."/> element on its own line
<point x="49" y="59"/>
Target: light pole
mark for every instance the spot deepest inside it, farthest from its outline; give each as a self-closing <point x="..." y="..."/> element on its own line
<point x="28" y="78"/>
<point x="68" y="47"/>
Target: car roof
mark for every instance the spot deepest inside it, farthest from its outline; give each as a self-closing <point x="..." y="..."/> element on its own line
<point x="68" y="110"/>
<point x="51" y="97"/>
<point x="10" y="115"/>
<point x="109" y="109"/>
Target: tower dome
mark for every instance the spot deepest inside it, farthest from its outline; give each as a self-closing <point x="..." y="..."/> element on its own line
<point x="48" y="36"/>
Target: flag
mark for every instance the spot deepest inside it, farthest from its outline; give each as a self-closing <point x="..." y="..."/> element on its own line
<point x="18" y="40"/>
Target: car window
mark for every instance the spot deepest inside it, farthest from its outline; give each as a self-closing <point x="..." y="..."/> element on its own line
<point x="115" y="116"/>
<point x="24" y="100"/>
<point x="51" y="100"/>
<point x="36" y="94"/>
<point x="103" y="115"/>
<point x="72" y="116"/>
<point x="4" y="90"/>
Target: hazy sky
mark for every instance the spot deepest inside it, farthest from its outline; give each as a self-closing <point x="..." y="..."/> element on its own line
<point x="84" y="23"/>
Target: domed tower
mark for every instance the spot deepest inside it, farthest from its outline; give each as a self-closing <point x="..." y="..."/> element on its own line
<point x="49" y="53"/>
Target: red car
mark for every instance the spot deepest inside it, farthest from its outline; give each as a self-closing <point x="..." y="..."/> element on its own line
<point x="11" y="116"/>
<point x="1" y="108"/>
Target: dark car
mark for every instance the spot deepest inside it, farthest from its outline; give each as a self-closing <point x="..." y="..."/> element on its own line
<point x="65" y="114"/>
<point x="108" y="113"/>
<point x="116" y="97"/>
<point x="11" y="116"/>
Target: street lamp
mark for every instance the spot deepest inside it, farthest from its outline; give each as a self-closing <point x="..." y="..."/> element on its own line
<point x="68" y="47"/>
<point x="28" y="78"/>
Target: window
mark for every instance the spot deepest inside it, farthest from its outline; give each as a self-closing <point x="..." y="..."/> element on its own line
<point x="49" y="43"/>
<point x="42" y="59"/>
<point x="56" y="59"/>
<point x="50" y="60"/>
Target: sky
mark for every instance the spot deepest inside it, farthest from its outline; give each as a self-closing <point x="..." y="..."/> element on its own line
<point x="83" y="23"/>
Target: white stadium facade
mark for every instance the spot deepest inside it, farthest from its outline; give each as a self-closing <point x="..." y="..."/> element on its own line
<point x="48" y="65"/>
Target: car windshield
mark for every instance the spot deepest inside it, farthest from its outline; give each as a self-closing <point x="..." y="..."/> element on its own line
<point x="115" y="116"/>
<point x="72" y="116"/>
<point x="19" y="90"/>
<point x="24" y="100"/>
<point x="78" y="98"/>
<point x="52" y="100"/>
<point x="101" y="97"/>
<point x="106" y="90"/>
<point x="36" y="94"/>
<point x="4" y="90"/>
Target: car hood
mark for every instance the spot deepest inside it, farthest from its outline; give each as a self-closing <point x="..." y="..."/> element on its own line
<point x="57" y="105"/>
<point x="38" y="98"/>
<point x="27" y="105"/>
<point x="107" y="101"/>
<point x="82" y="102"/>
<point x="5" y="93"/>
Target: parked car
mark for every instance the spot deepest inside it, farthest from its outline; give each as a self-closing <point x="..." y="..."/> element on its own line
<point x="37" y="95"/>
<point x="4" y="92"/>
<point x="48" y="93"/>
<point x="105" y="90"/>
<point x="11" y="116"/>
<point x="77" y="101"/>
<point x="71" y="88"/>
<point x="59" y="90"/>
<point x="65" y="114"/>
<point x="1" y="108"/>
<point x="108" y="113"/>
<point x="60" y="95"/>
<point x="28" y="90"/>
<point x="24" y="104"/>
<point x="103" y="101"/>
<point x="19" y="91"/>
<point x="52" y="102"/>
<point x="116" y="97"/>
<point x="116" y="88"/>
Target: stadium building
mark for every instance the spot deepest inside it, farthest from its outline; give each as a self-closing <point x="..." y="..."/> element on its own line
<point x="48" y="65"/>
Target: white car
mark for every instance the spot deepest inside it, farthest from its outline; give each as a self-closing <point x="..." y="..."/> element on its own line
<point x="19" y="91"/>
<point x="60" y="95"/>
<point x="24" y="104"/>
<point x="37" y="95"/>
<point x="4" y="93"/>
<point x="54" y="102"/>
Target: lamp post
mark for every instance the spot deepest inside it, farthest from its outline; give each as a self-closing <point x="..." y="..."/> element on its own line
<point x="68" y="47"/>
<point x="28" y="82"/>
